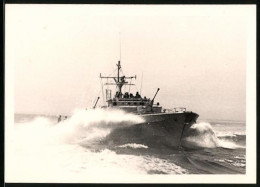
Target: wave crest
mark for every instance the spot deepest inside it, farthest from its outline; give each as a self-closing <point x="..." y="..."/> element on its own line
<point x="202" y="135"/>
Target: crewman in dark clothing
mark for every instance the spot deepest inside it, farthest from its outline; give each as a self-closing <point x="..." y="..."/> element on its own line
<point x="123" y="79"/>
<point x="59" y="119"/>
<point x="137" y="95"/>
<point x="117" y="94"/>
<point x="126" y="95"/>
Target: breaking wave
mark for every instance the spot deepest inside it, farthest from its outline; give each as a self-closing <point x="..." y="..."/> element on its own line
<point x="46" y="151"/>
<point x="83" y="125"/>
<point x="42" y="150"/>
<point x="95" y="124"/>
<point x="202" y="135"/>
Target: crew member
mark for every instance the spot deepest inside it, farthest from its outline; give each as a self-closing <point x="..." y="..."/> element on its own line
<point x="59" y="119"/>
<point x="117" y="94"/>
<point x="137" y="95"/>
<point x="126" y="95"/>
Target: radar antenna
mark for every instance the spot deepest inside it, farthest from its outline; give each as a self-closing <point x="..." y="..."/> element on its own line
<point x="120" y="81"/>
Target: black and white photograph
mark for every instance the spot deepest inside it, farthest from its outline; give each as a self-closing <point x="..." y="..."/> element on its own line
<point x="130" y="93"/>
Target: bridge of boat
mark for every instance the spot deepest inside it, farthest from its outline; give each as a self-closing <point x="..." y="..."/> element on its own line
<point x="128" y="102"/>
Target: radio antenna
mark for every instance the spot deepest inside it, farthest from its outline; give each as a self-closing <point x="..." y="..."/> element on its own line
<point x="141" y="84"/>
<point x="119" y="46"/>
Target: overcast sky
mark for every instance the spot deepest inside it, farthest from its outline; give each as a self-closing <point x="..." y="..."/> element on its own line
<point x="196" y="55"/>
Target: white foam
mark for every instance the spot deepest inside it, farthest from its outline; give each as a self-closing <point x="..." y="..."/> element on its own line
<point x="84" y="125"/>
<point x="156" y="165"/>
<point x="230" y="134"/>
<point x="206" y="137"/>
<point x="46" y="152"/>
<point x="241" y="163"/>
<point x="240" y="157"/>
<point x="72" y="163"/>
<point x="228" y="144"/>
<point x="133" y="145"/>
<point x="237" y="164"/>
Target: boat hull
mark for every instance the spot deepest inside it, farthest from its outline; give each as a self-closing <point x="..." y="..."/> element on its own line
<point x="161" y="129"/>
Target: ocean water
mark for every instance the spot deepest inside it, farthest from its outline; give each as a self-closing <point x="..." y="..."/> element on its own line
<point x="42" y="150"/>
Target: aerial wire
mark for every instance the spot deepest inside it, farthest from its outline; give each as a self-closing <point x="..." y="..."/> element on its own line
<point x="130" y="85"/>
<point x="141" y="84"/>
<point x="120" y="46"/>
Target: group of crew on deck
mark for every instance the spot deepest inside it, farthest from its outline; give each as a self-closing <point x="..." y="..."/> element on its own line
<point x="127" y="95"/>
<point x="60" y="118"/>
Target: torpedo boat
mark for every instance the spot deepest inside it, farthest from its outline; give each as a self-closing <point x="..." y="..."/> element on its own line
<point x="161" y="126"/>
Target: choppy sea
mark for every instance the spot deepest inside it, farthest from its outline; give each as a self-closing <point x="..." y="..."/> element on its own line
<point x="42" y="149"/>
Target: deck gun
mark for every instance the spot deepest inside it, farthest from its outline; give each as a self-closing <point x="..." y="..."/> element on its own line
<point x="151" y="103"/>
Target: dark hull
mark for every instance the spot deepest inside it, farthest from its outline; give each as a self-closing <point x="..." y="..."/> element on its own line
<point x="162" y="129"/>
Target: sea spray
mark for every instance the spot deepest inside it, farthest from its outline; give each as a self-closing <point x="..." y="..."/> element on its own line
<point x="83" y="124"/>
<point x="43" y="148"/>
<point x="90" y="125"/>
<point x="50" y="152"/>
<point x="47" y="151"/>
<point x="202" y="135"/>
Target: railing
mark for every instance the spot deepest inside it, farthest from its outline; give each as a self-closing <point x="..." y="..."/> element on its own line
<point x="131" y="99"/>
<point x="175" y="110"/>
<point x="180" y="109"/>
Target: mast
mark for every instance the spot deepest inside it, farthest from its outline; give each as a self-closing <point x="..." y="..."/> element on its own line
<point x="118" y="68"/>
<point x="120" y="81"/>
